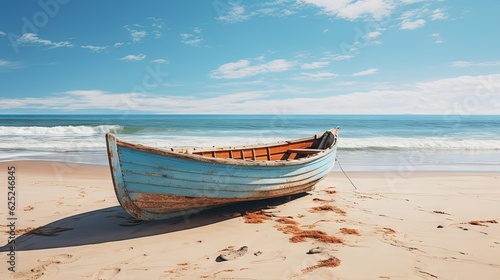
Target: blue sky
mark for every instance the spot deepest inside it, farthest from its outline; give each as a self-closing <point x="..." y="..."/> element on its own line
<point x="242" y="56"/>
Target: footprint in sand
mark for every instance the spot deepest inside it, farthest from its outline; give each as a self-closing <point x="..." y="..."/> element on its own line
<point x="108" y="273"/>
<point x="277" y="257"/>
<point x="231" y="254"/>
<point x="62" y="258"/>
<point x="47" y="267"/>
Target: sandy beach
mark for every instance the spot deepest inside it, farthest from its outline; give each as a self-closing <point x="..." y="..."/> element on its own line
<point x="393" y="226"/>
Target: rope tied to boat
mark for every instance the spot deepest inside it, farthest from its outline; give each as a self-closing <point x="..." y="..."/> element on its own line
<point x="338" y="161"/>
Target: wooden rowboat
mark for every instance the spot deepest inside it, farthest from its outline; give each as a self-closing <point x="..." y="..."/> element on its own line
<point x="153" y="184"/>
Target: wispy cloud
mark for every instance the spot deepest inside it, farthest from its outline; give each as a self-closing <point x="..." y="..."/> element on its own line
<point x="438" y="14"/>
<point x="233" y="13"/>
<point x="418" y="98"/>
<point x="159" y="61"/>
<point x="437" y="37"/>
<point x="317" y="76"/>
<point x="244" y="68"/>
<point x="132" y="57"/>
<point x="2" y="33"/>
<point x="471" y="64"/>
<point x="158" y="25"/>
<point x="350" y="10"/>
<point x="367" y="72"/>
<point x="137" y="35"/>
<point x="410" y="25"/>
<point x="32" y="39"/>
<point x="9" y="65"/>
<point x="192" y="39"/>
<point x="336" y="56"/>
<point x="315" y="65"/>
<point x="373" y="34"/>
<point x="95" y="48"/>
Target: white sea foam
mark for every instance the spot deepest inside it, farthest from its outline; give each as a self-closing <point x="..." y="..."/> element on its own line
<point x="69" y="130"/>
<point x="397" y="143"/>
<point x="94" y="139"/>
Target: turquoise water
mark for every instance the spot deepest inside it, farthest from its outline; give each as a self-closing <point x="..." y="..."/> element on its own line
<point x="367" y="142"/>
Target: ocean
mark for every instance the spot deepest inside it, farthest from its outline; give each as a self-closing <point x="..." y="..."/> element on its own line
<point x="392" y="143"/>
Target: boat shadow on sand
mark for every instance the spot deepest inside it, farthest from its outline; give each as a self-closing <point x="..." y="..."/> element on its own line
<point x="114" y="224"/>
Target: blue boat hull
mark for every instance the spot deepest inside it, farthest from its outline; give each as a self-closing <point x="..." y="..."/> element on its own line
<point x="154" y="184"/>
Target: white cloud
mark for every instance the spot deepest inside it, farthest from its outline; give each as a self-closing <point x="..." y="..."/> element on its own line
<point x="438" y="38"/>
<point x="159" y="60"/>
<point x="337" y="57"/>
<point x="94" y="48"/>
<point x="470" y="64"/>
<point x="315" y="65"/>
<point x="318" y="76"/>
<point x="347" y="9"/>
<point x="2" y="33"/>
<point x="438" y="14"/>
<point x="462" y="95"/>
<point x="192" y="39"/>
<point x="407" y="2"/>
<point x="9" y="65"/>
<point x="157" y="22"/>
<point x="232" y="14"/>
<point x="137" y="35"/>
<point x="410" y="25"/>
<point x="132" y="57"/>
<point x="116" y="45"/>
<point x="414" y="13"/>
<point x="367" y="72"/>
<point x="32" y="39"/>
<point x="373" y="34"/>
<point x="243" y="68"/>
<point x="156" y="34"/>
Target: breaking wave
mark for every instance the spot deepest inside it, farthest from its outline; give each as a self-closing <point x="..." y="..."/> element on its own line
<point x="80" y="130"/>
<point x="386" y="143"/>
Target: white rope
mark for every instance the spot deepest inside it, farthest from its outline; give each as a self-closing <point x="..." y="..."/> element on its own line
<point x="337" y="159"/>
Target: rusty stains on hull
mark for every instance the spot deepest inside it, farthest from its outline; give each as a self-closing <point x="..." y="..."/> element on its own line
<point x="165" y="203"/>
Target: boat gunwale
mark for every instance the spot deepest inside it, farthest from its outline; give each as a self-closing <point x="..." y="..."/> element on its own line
<point x="187" y="153"/>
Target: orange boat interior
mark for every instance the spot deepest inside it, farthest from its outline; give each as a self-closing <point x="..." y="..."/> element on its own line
<point x="286" y="151"/>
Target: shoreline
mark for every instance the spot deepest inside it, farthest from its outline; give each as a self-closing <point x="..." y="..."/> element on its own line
<point x="415" y="225"/>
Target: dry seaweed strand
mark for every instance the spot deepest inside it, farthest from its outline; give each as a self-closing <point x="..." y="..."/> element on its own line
<point x="323" y="200"/>
<point x="331" y="262"/>
<point x="287" y="229"/>
<point x="440" y="212"/>
<point x="349" y="231"/>
<point x="300" y="235"/>
<point x="324" y="208"/>
<point x="287" y="221"/>
<point x="315" y="234"/>
<point x="256" y="217"/>
<point x="215" y="274"/>
<point x="482" y="222"/>
<point x="389" y="230"/>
